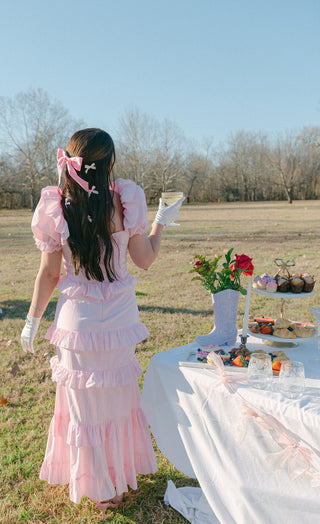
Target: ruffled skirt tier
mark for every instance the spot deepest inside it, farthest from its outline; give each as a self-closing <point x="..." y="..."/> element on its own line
<point x="97" y="460"/>
<point x="99" y="439"/>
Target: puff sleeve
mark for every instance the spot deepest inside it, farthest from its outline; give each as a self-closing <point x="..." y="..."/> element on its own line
<point x="49" y="227"/>
<point x="134" y="205"/>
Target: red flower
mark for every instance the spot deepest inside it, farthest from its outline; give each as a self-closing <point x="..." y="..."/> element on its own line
<point x="234" y="271"/>
<point x="198" y="263"/>
<point x="244" y="263"/>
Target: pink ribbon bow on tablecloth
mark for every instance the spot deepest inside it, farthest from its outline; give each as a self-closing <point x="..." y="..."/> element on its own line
<point x="74" y="163"/>
<point x="223" y="377"/>
<point x="299" y="458"/>
<point x="263" y="420"/>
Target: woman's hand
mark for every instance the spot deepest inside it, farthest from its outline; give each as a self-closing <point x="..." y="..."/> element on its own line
<point x="166" y="215"/>
<point x="28" y="333"/>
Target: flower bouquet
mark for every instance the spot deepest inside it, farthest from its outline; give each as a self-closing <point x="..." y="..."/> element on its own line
<point x="214" y="280"/>
<point x="224" y="284"/>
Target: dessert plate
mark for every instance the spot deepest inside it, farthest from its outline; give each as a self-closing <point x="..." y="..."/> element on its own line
<point x="278" y="294"/>
<point x="192" y="362"/>
<point x="278" y="342"/>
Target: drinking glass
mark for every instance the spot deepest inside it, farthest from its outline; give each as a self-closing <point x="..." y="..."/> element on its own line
<point x="260" y="370"/>
<point x="291" y="379"/>
<point x="170" y="197"/>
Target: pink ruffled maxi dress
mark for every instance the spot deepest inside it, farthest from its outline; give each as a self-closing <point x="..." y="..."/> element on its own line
<point x="98" y="437"/>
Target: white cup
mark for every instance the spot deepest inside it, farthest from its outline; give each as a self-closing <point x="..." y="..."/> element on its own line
<point x="260" y="370"/>
<point x="291" y="379"/>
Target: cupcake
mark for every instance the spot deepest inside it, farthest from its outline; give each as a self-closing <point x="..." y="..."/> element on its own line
<point x="296" y="284"/>
<point x="263" y="281"/>
<point x="255" y="282"/>
<point x="283" y="283"/>
<point x="308" y="283"/>
<point x="272" y="286"/>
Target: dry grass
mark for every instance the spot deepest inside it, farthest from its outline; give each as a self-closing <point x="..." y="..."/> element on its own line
<point x="174" y="310"/>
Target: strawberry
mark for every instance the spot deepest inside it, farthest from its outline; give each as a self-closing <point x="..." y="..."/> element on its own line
<point x="266" y="329"/>
<point x="276" y="365"/>
<point x="238" y="361"/>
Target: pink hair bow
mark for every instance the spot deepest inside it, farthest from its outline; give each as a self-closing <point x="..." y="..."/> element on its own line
<point x="73" y="164"/>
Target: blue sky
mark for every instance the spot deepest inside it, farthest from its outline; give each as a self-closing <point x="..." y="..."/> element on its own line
<point x="213" y="67"/>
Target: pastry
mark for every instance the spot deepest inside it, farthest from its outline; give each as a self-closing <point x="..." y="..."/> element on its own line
<point x="280" y="356"/>
<point x="280" y="323"/>
<point x="283" y="283"/>
<point x="296" y="284"/>
<point x="284" y="333"/>
<point x="271" y="286"/>
<point x="308" y="282"/>
<point x="304" y="331"/>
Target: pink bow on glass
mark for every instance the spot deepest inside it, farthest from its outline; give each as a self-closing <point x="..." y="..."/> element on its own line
<point x="73" y="164"/>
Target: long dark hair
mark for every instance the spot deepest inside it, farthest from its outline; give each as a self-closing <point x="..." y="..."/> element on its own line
<point x="89" y="218"/>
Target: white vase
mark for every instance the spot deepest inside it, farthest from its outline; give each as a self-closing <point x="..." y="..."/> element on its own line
<point x="225" y="308"/>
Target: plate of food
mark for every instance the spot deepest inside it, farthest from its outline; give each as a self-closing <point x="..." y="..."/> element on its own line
<point x="287" y="294"/>
<point x="284" y="285"/>
<point x="280" y="329"/>
<point x="237" y="359"/>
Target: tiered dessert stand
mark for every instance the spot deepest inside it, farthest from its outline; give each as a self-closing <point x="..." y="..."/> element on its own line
<point x="272" y="340"/>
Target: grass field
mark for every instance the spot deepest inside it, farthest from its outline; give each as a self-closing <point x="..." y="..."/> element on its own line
<point x="174" y="309"/>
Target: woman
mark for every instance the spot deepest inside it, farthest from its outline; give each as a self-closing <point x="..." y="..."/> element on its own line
<point x="98" y="438"/>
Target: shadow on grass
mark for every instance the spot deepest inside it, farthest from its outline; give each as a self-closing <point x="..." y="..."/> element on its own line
<point x="175" y="310"/>
<point x="19" y="309"/>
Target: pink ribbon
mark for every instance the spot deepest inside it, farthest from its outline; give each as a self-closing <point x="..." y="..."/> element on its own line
<point x="299" y="458"/>
<point x="73" y="164"/>
<point x="248" y="413"/>
<point x="224" y="378"/>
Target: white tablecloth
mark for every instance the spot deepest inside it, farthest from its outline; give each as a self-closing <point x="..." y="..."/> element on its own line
<point x="199" y="427"/>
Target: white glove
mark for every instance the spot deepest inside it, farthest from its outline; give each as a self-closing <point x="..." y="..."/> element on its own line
<point x="166" y="215"/>
<point x="29" y="332"/>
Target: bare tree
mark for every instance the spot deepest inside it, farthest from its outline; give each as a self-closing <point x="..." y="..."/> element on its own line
<point x="285" y="164"/>
<point x="136" y="138"/>
<point x="167" y="154"/>
<point x="32" y="126"/>
<point x="199" y="177"/>
<point x="149" y="152"/>
<point x="309" y="152"/>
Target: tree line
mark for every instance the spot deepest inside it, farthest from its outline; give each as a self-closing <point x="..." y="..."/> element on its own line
<point x="250" y="166"/>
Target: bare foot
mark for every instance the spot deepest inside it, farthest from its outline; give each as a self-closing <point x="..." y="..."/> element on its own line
<point x="112" y="503"/>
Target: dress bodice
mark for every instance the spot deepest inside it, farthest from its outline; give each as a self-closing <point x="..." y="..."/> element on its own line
<point x="51" y="232"/>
